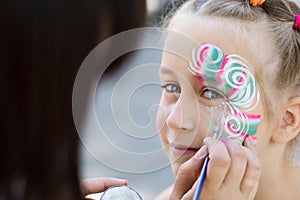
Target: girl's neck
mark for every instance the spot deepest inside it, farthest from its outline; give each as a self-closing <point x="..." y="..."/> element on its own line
<point x="286" y="187"/>
<point x="280" y="180"/>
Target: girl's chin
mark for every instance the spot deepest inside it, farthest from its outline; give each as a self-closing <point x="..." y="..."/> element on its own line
<point x="175" y="167"/>
<point x="176" y="162"/>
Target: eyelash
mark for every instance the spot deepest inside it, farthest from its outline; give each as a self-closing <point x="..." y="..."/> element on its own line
<point x="213" y="94"/>
<point x="173" y="86"/>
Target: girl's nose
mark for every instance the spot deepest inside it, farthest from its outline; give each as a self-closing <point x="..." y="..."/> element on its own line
<point x="181" y="117"/>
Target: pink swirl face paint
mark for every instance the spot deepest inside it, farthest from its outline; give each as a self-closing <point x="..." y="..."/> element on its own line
<point x="231" y="77"/>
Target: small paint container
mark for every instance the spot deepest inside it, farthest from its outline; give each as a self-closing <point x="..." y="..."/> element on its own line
<point x="120" y="193"/>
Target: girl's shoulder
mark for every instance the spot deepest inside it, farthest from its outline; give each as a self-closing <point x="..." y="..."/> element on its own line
<point x="165" y="194"/>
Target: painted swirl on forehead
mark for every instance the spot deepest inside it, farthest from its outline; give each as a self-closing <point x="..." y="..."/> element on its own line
<point x="230" y="75"/>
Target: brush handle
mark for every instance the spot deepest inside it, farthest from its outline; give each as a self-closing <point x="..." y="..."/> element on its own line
<point x="201" y="178"/>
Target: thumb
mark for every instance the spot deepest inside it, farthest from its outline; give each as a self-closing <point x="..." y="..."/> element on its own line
<point x="96" y="185"/>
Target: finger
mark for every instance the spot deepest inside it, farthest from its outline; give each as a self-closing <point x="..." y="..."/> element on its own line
<point x="249" y="143"/>
<point x="253" y="169"/>
<point x="95" y="185"/>
<point x="188" y="173"/>
<point x="218" y="164"/>
<point x="238" y="157"/>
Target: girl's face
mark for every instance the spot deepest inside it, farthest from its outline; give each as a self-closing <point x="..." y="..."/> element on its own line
<point x="196" y="105"/>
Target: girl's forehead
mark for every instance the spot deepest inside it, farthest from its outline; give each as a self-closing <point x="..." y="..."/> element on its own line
<point x="249" y="40"/>
<point x="176" y="66"/>
<point x="207" y="62"/>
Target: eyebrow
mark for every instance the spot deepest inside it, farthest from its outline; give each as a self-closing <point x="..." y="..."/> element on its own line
<point x="166" y="70"/>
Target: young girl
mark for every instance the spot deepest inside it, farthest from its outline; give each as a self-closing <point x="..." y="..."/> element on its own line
<point x="245" y="71"/>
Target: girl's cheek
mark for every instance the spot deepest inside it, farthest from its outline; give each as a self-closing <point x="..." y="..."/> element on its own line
<point x="162" y="128"/>
<point x="161" y="117"/>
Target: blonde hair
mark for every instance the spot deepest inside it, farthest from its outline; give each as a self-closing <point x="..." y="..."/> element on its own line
<point x="278" y="17"/>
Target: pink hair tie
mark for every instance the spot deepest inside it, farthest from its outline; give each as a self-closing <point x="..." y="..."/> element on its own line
<point x="297" y="22"/>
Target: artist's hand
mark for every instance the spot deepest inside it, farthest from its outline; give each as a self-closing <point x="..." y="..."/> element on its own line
<point x="233" y="172"/>
<point x="96" y="185"/>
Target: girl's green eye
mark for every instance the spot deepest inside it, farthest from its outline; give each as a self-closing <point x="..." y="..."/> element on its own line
<point x="212" y="98"/>
<point x="210" y="94"/>
<point x="172" y="88"/>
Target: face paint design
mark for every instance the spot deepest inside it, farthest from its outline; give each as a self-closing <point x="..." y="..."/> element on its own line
<point x="230" y="76"/>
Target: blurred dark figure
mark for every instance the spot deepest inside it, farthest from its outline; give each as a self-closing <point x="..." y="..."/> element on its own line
<point x="43" y="44"/>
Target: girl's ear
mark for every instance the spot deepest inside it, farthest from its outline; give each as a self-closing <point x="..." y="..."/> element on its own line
<point x="290" y="123"/>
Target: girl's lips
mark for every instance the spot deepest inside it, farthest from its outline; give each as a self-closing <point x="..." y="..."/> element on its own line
<point x="180" y="150"/>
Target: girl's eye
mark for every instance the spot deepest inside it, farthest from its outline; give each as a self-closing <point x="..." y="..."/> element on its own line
<point x="211" y="94"/>
<point x="212" y="98"/>
<point x="172" y="88"/>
